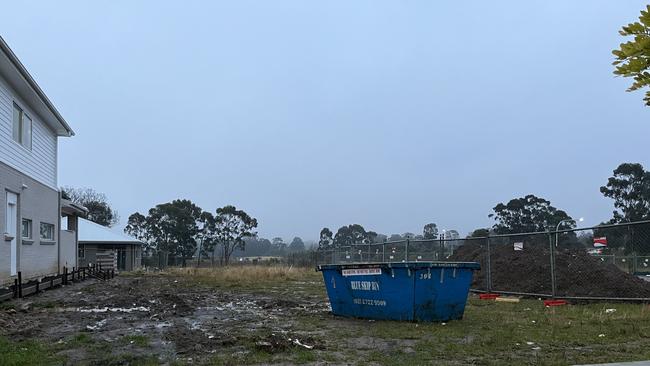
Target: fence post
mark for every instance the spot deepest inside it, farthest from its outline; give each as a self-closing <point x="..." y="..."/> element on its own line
<point x="20" y="284"/>
<point x="552" y="255"/>
<point x="408" y="242"/>
<point x="15" y="288"/>
<point x="383" y="252"/>
<point x="488" y="266"/>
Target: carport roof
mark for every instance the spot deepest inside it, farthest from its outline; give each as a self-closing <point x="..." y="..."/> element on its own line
<point x="92" y="233"/>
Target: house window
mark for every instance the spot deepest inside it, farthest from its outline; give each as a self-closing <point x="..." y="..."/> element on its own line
<point x="22" y="128"/>
<point x="82" y="252"/>
<point x="26" y="229"/>
<point x="47" y="231"/>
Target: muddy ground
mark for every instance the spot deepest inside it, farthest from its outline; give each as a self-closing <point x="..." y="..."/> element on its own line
<point x="176" y="319"/>
<point x="171" y="318"/>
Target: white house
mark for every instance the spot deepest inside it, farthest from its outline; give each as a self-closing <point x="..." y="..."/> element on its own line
<point x="30" y="204"/>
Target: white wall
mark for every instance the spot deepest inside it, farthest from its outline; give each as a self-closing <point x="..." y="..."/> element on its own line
<point x="41" y="162"/>
<point x="39" y="203"/>
<point x="68" y="245"/>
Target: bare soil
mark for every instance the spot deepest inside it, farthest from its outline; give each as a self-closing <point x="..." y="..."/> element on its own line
<point x="176" y="318"/>
<point x="578" y="274"/>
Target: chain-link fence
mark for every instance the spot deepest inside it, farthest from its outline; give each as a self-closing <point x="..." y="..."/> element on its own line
<point x="607" y="262"/>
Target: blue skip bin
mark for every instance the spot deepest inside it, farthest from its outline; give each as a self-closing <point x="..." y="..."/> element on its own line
<point x="415" y="291"/>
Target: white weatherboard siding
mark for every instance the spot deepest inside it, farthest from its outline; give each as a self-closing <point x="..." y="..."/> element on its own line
<point x="40" y="162"/>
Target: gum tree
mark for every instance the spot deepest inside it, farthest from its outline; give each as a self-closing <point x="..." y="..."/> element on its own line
<point x="629" y="187"/>
<point x="99" y="210"/>
<point x="170" y="228"/>
<point x="528" y="214"/>
<point x="430" y="231"/>
<point x="232" y="226"/>
<point x="326" y="239"/>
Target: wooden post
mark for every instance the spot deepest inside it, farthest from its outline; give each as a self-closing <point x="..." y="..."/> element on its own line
<point x="64" y="281"/>
<point x="20" y="284"/>
<point x="15" y="288"/>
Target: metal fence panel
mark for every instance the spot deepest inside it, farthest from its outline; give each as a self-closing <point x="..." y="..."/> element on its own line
<point x="566" y="263"/>
<point x="603" y="262"/>
<point x="521" y="264"/>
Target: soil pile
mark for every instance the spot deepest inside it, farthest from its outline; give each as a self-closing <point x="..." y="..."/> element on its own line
<point x="529" y="270"/>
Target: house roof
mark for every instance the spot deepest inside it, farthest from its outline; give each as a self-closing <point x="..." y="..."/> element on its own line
<point x="92" y="233"/>
<point x="17" y="75"/>
<point x="70" y="208"/>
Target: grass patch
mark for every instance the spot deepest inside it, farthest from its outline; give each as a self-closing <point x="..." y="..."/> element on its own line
<point x="46" y="304"/>
<point x="245" y="276"/>
<point x="128" y="359"/>
<point x="136" y="273"/>
<point x="81" y="340"/>
<point x="251" y="357"/>
<point x="26" y="353"/>
<point x="138" y="340"/>
<point x="302" y="356"/>
<point x="4" y="306"/>
<point x="496" y="333"/>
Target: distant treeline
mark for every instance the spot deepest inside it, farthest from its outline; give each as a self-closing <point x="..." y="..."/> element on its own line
<point x="357" y="234"/>
<point x="257" y="247"/>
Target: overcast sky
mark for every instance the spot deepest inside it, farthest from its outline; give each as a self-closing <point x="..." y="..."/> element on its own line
<point x="390" y="114"/>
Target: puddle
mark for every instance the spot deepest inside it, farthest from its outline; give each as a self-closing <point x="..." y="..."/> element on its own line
<point x="105" y="310"/>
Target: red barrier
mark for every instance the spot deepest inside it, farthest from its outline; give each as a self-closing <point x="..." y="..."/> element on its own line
<point x="554" y="302"/>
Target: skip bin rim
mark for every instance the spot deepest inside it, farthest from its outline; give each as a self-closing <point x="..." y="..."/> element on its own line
<point x="410" y="265"/>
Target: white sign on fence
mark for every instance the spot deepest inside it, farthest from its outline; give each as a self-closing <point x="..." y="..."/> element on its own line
<point x="519" y="245"/>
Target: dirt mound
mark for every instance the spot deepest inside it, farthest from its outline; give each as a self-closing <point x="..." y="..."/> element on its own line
<point x="529" y="270"/>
